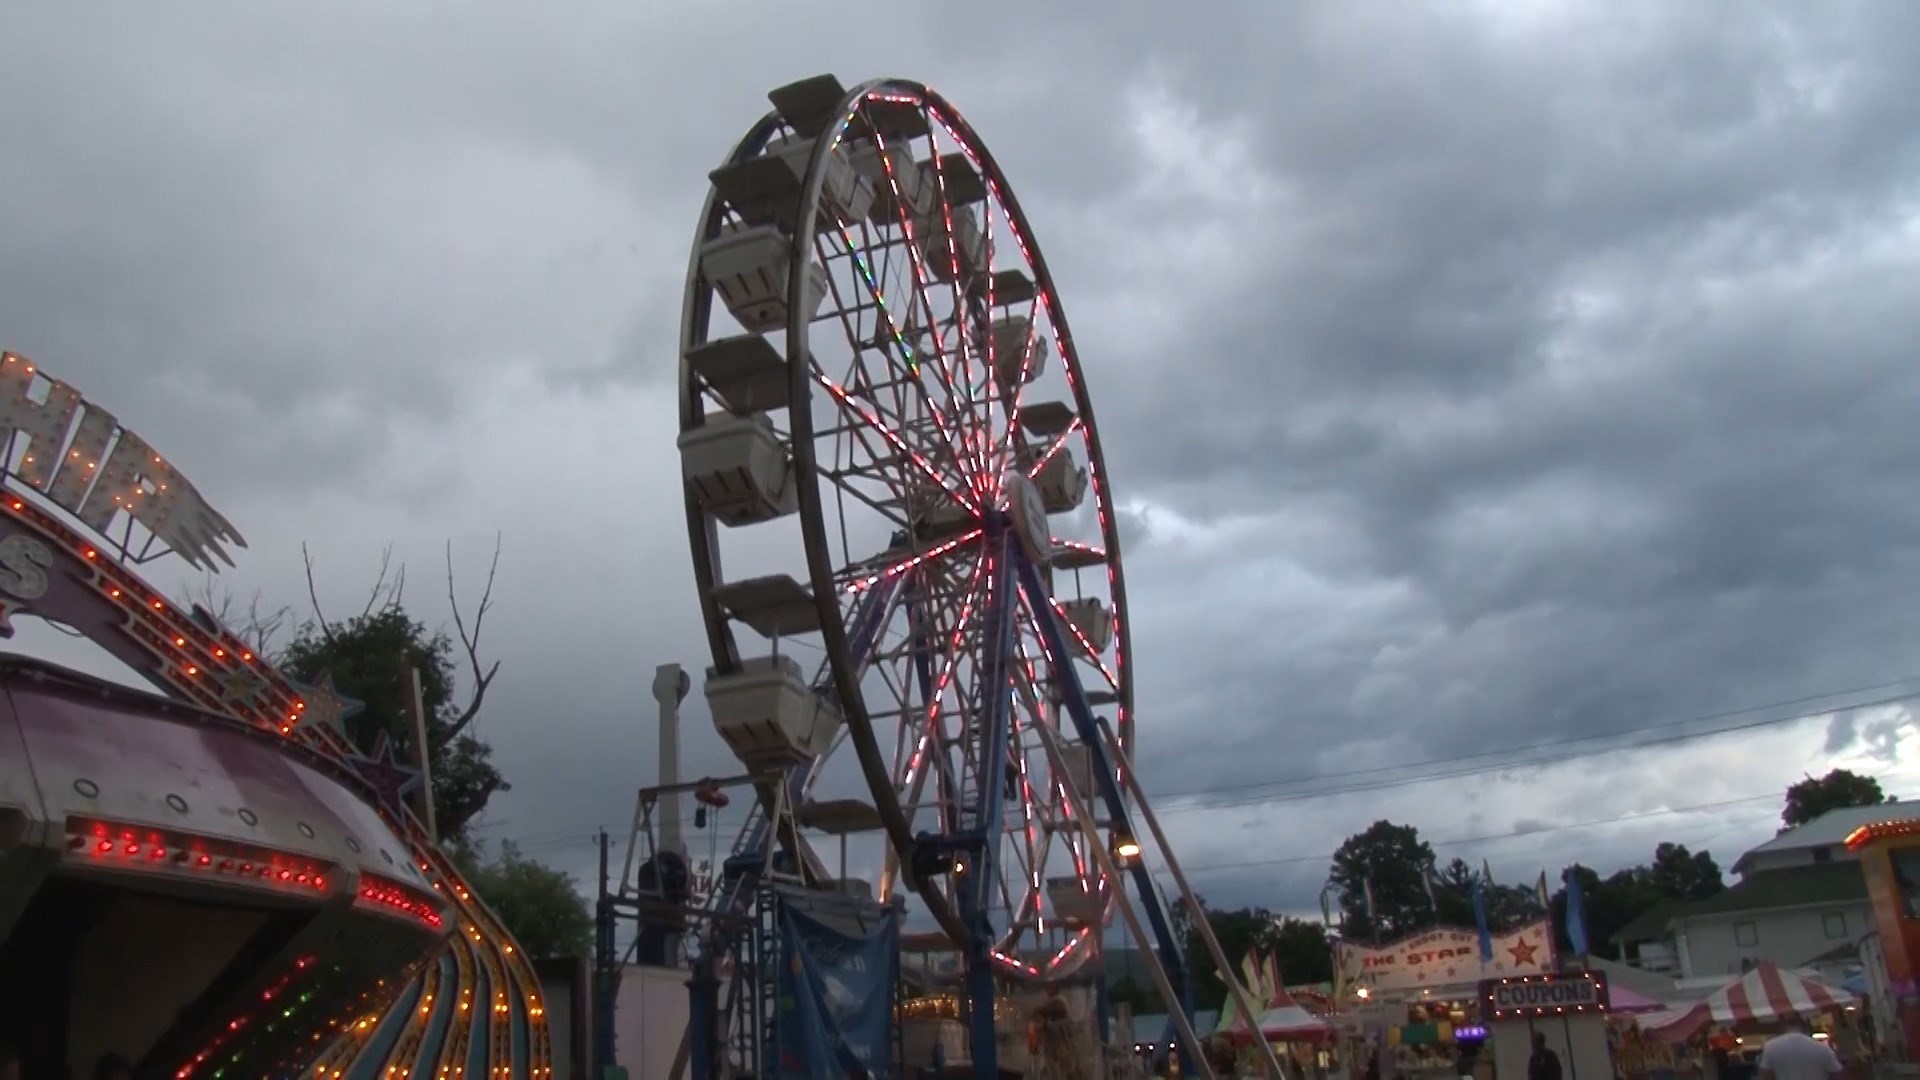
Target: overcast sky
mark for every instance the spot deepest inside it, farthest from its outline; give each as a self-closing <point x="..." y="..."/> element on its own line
<point x="1474" y="375"/>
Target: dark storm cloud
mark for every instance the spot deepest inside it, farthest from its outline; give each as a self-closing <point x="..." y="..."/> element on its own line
<point x="1581" y="345"/>
<point x="1469" y="373"/>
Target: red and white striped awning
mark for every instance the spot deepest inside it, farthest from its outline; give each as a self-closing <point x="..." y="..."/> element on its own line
<point x="1766" y="994"/>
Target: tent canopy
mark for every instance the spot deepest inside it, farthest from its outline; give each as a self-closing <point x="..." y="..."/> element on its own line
<point x="1624" y="1000"/>
<point x="1291" y="1023"/>
<point x="1766" y="994"/>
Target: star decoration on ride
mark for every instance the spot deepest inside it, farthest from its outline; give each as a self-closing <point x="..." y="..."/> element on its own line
<point x="1523" y="952"/>
<point x="327" y="706"/>
<point x="390" y="780"/>
<point x="241" y="685"/>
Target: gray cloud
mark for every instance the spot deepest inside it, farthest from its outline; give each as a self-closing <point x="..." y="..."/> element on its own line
<point x="1472" y="375"/>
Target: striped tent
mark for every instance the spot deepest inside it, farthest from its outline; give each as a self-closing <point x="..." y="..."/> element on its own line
<point x="1764" y="995"/>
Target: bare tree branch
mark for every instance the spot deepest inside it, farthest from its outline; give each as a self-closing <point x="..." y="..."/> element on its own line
<point x="385" y="595"/>
<point x="482" y="678"/>
<point x="313" y="595"/>
<point x="255" y="627"/>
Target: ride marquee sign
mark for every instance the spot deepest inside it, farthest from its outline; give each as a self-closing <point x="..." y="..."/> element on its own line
<point x="1531" y="997"/>
<point x="77" y="456"/>
<point x="1445" y="957"/>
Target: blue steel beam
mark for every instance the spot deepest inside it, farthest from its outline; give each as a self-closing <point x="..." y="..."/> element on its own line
<point x="1073" y="696"/>
<point x="978" y="844"/>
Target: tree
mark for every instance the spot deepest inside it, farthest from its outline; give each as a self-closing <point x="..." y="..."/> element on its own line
<point x="1303" y="948"/>
<point x="1305" y="951"/>
<point x="1393" y="861"/>
<point x="1837" y="790"/>
<point x="1675" y="876"/>
<point x="368" y="658"/>
<point x="539" y="905"/>
<point x="1680" y="875"/>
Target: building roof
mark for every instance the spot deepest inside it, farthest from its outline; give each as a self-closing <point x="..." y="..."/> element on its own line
<point x="1651" y="924"/>
<point x="1793" y="886"/>
<point x="1828" y="830"/>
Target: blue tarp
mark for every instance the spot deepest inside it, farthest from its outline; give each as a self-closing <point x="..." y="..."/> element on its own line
<point x="839" y="966"/>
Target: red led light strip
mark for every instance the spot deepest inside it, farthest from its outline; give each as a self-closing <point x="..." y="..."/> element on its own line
<point x="193" y="661"/>
<point x="127" y="847"/>
<point x="383" y="895"/>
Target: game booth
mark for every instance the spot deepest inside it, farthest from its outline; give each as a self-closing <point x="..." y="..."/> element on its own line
<point x="1724" y="1032"/>
<point x="1418" y="1002"/>
<point x="1569" y="1009"/>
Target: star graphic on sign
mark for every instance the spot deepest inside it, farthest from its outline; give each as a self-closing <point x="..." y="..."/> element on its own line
<point x="327" y="706"/>
<point x="241" y="684"/>
<point x="1523" y="953"/>
<point x="390" y="780"/>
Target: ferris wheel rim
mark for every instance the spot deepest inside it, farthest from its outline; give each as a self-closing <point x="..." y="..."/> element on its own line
<point x="821" y="573"/>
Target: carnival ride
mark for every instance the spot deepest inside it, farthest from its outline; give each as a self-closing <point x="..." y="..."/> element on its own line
<point x="905" y="548"/>
<point x="895" y="451"/>
<point x="214" y="881"/>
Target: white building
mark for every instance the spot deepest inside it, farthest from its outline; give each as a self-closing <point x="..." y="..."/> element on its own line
<point x="1824" y="839"/>
<point x="1801" y="902"/>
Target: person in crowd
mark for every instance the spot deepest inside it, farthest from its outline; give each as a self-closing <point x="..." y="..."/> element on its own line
<point x="112" y="1067"/>
<point x="1795" y="1055"/>
<point x="1544" y="1064"/>
<point x="9" y="1063"/>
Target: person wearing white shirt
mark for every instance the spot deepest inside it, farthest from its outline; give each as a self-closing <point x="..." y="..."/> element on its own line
<point x="1795" y="1055"/>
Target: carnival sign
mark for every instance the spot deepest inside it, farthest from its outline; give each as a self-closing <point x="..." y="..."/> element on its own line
<point x="1534" y="996"/>
<point x="1446" y="957"/>
<point x="77" y="456"/>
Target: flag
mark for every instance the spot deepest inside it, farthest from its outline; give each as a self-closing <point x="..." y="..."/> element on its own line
<point x="1250" y="973"/>
<point x="1426" y="878"/>
<point x="1366" y="886"/>
<point x="1480" y="919"/>
<point x="1576" y="911"/>
<point x="1486" y="873"/>
<point x="1326" y="903"/>
<point x="1276" y="985"/>
<point x="1546" y="904"/>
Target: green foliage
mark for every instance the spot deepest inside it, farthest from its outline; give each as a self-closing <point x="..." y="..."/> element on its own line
<point x="368" y="657"/>
<point x="539" y="905"/>
<point x="1303" y="948"/>
<point x="1394" y="861"/>
<point x="1675" y="876"/>
<point x="1837" y="790"/>
<point x="1508" y="905"/>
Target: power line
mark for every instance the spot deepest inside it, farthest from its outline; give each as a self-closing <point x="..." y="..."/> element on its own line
<point x="1427" y="778"/>
<point x="1464" y="840"/>
<point x="1550" y="743"/>
<point x="565" y="839"/>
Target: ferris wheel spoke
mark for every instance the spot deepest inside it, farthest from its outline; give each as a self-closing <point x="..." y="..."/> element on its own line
<point x="957" y="388"/>
<point x="1058" y="444"/>
<point x="887" y="336"/>
<point x="893" y="438"/>
<point x="955" y="345"/>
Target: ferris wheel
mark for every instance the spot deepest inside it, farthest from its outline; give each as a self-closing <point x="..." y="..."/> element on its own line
<point x="902" y="528"/>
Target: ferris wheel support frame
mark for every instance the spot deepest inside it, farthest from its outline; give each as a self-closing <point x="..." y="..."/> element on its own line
<point x="1099" y="739"/>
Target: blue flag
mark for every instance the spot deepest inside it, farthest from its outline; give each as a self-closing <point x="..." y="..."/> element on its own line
<point x="1576" y="912"/>
<point x="1480" y="919"/>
